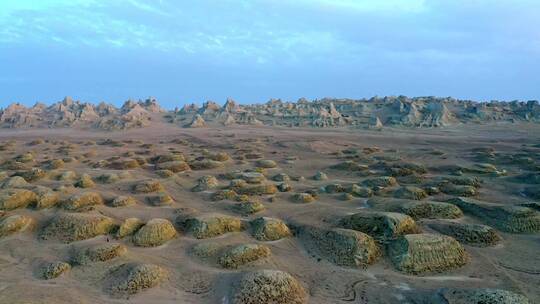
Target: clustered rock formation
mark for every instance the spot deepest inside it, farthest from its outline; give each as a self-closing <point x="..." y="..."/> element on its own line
<point x="68" y="113"/>
<point x="372" y="113"/>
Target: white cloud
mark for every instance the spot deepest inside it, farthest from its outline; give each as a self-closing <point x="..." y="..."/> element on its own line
<point x="9" y="7"/>
<point x="399" y="6"/>
<point x="146" y="7"/>
<point x="260" y="31"/>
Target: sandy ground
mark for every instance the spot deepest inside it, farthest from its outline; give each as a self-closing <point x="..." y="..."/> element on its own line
<point x="514" y="264"/>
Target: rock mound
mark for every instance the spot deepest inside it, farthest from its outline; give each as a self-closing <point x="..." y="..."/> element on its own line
<point x="243" y="254"/>
<point x="14" y="182"/>
<point x="123" y="201"/>
<point x="249" y="207"/>
<point x="263" y="189"/>
<point x="205" y="164"/>
<point x="516" y="219"/>
<point x="148" y="186"/>
<point x="426" y="253"/>
<point x="82" y="200"/>
<point x="70" y="227"/>
<point x="382" y="182"/>
<point x="85" y="181"/>
<point x="53" y="270"/>
<point x="482" y="295"/>
<point x="174" y="166"/>
<point x="128" y="227"/>
<point x="155" y="233"/>
<point x="98" y="253"/>
<point x="160" y="199"/>
<point x="410" y="192"/>
<point x="342" y="247"/>
<point x="206" y="182"/>
<point x="211" y="225"/>
<point x="303" y="198"/>
<point x="472" y="234"/>
<point x="381" y="225"/>
<point x="350" y="165"/>
<point x="14" y="223"/>
<point x="45" y="197"/>
<point x="266" y="163"/>
<point x="11" y="199"/>
<point x="418" y="209"/>
<point x="269" y="286"/>
<point x="269" y="229"/>
<point x="131" y="278"/>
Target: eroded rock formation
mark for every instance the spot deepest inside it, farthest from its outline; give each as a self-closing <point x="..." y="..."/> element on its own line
<point x="372" y="113"/>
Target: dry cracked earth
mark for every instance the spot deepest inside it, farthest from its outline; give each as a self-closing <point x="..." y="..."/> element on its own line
<point x="271" y="215"/>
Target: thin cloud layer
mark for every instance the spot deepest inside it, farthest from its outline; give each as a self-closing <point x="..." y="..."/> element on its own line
<point x="184" y="51"/>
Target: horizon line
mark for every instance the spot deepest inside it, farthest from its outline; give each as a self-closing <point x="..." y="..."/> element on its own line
<point x="119" y="105"/>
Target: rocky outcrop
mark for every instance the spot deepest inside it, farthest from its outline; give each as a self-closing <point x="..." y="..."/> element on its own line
<point x="248" y="118"/>
<point x="209" y="108"/>
<point x="228" y="120"/>
<point x="231" y="106"/>
<point x="436" y="115"/>
<point x="71" y="113"/>
<point x="375" y="123"/>
<point x="189" y="109"/>
<point x="197" y="122"/>
<point x="374" y="113"/>
<point x="151" y="105"/>
<point x="19" y="116"/>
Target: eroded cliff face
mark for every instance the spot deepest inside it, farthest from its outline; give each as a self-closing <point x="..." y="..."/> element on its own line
<point x="375" y="112"/>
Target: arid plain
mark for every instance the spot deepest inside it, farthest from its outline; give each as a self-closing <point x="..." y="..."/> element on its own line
<point x="271" y="214"/>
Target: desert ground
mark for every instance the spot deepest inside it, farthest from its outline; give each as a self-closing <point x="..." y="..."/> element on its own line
<point x="260" y="214"/>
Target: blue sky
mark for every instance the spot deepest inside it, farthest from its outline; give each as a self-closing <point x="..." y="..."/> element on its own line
<point x="190" y="51"/>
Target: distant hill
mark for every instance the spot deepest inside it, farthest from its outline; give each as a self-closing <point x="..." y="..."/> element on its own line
<point x="375" y="112"/>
